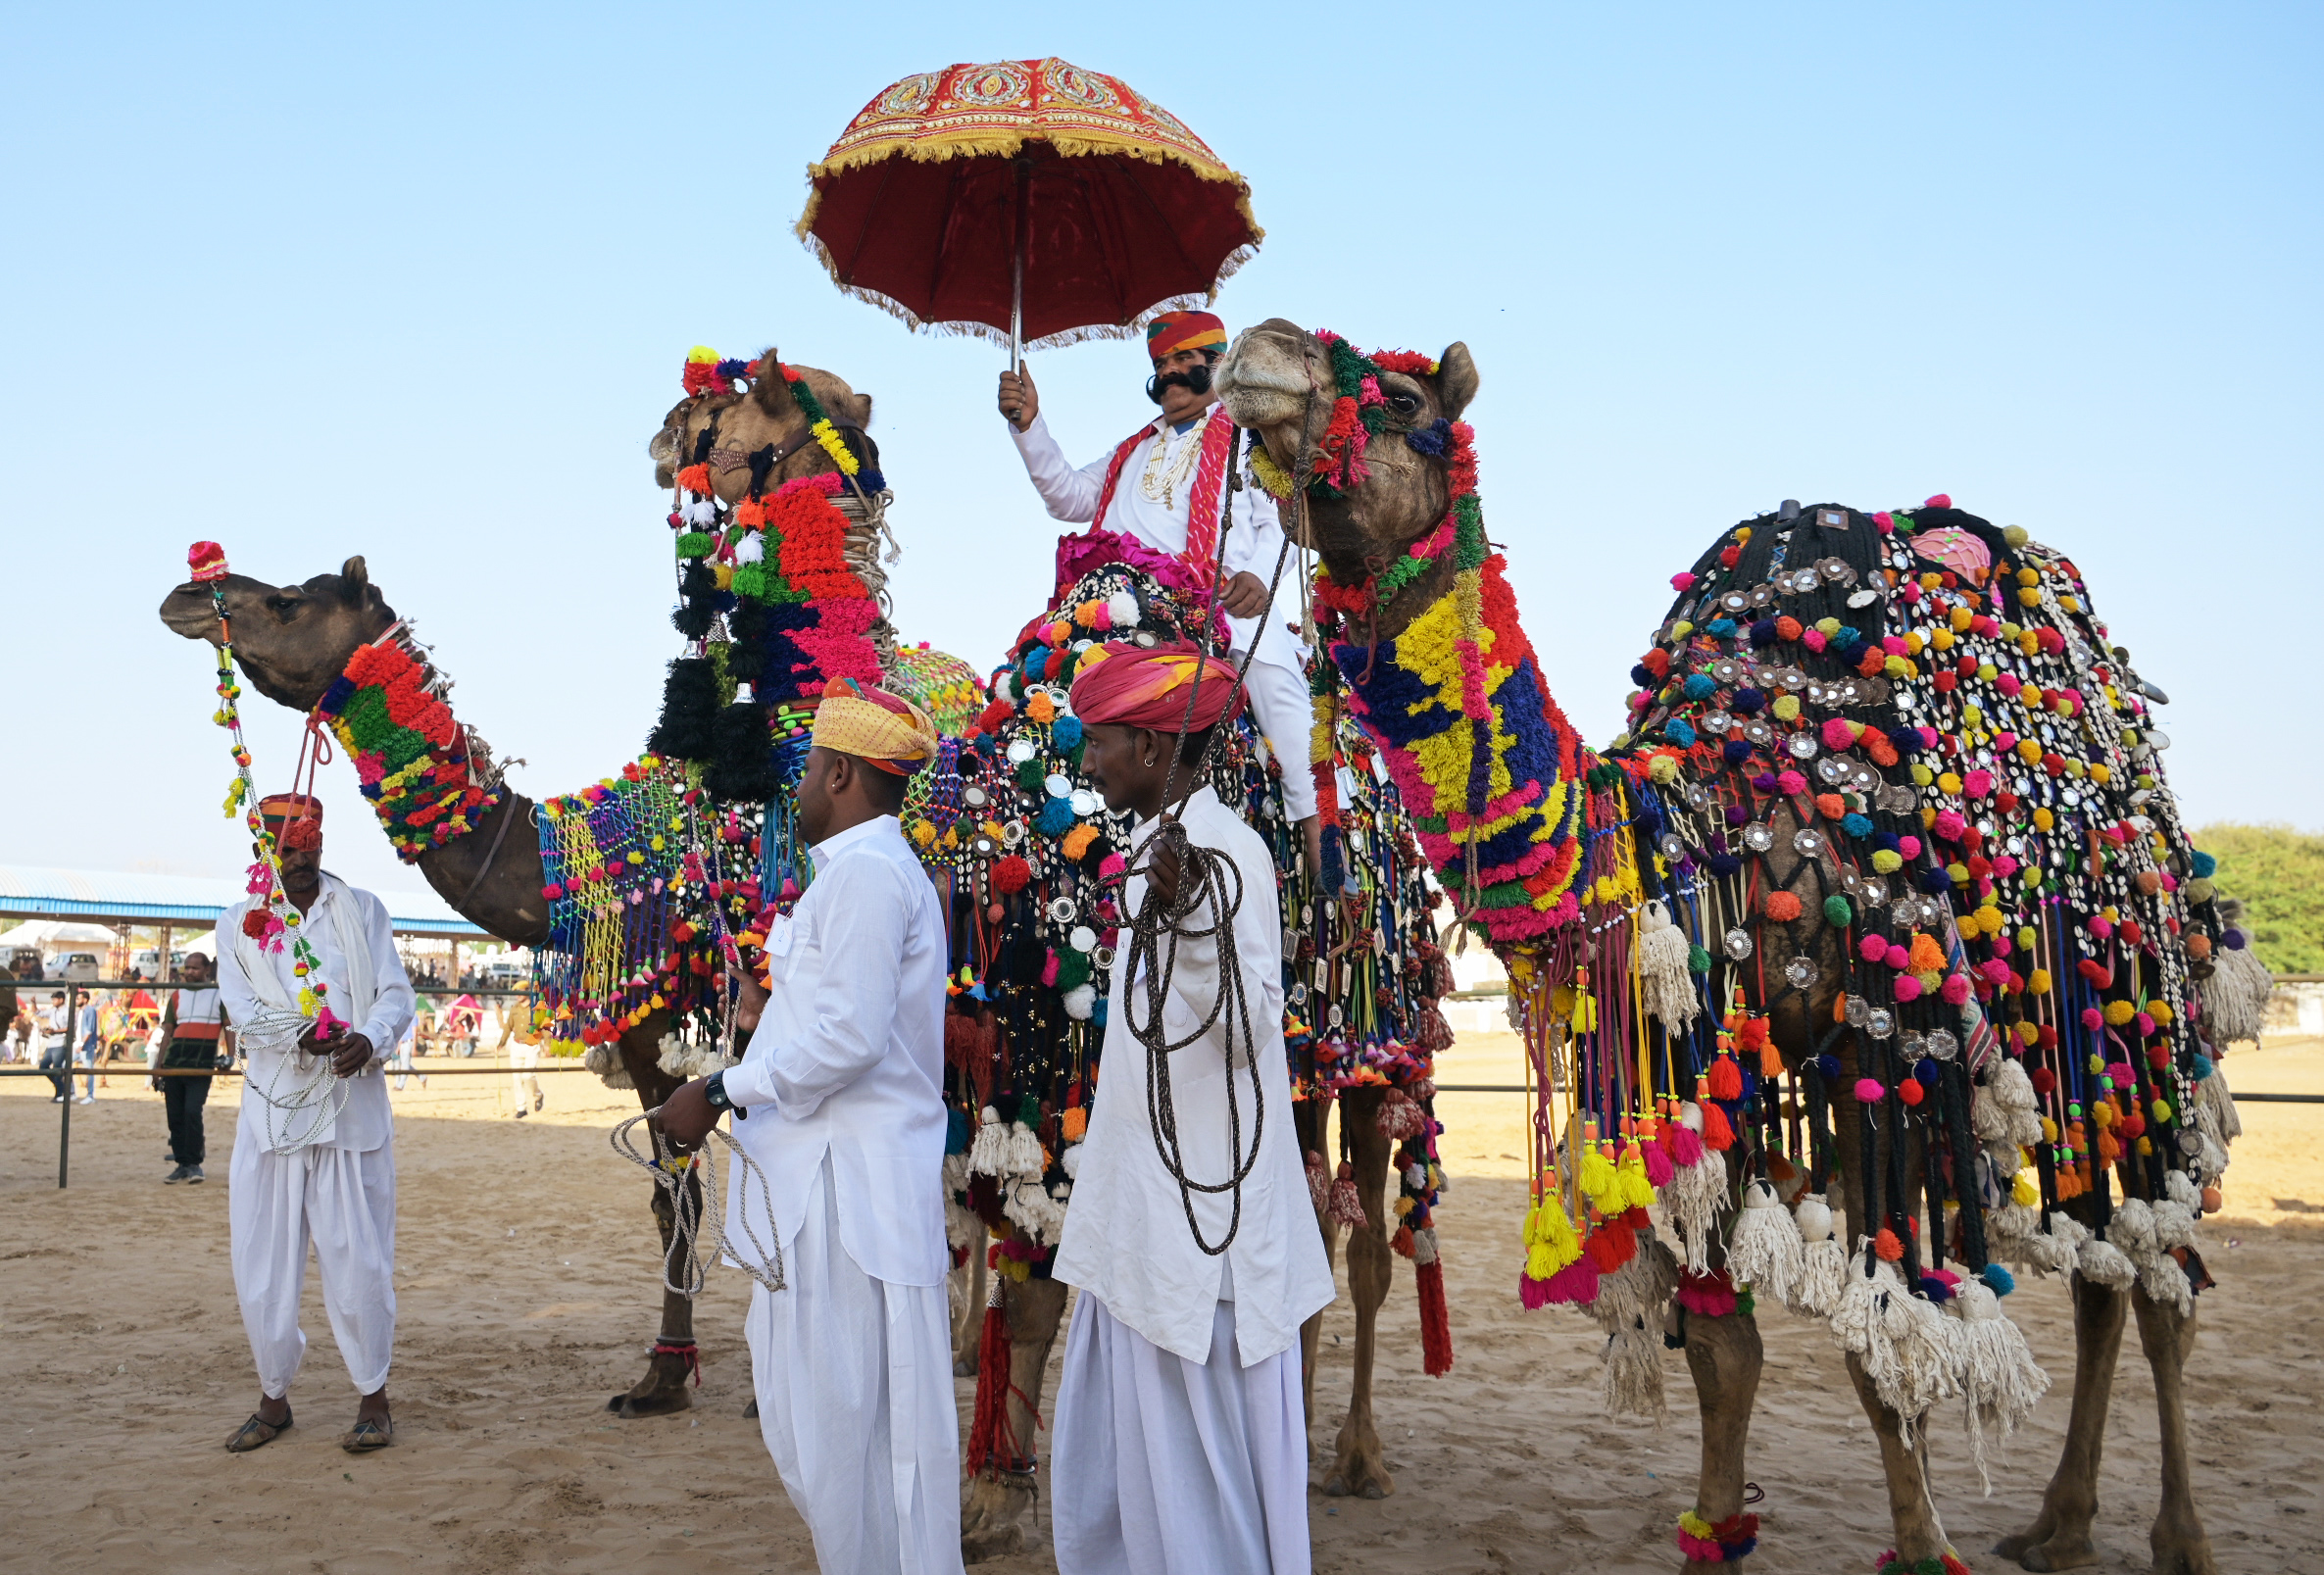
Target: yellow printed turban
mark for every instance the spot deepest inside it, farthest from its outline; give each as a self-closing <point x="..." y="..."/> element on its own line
<point x="887" y="730"/>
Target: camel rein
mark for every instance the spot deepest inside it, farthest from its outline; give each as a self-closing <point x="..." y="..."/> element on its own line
<point x="672" y="1171"/>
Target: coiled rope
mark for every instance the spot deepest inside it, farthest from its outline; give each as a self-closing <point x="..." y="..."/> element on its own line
<point x="1208" y="881"/>
<point x="301" y="1086"/>
<point x="670" y="1167"/>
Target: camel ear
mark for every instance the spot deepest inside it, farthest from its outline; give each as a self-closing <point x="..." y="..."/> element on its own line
<point x="863" y="411"/>
<point x="1455" y="379"/>
<point x="355" y="581"/>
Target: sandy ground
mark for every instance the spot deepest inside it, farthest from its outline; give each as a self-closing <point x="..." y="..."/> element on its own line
<point x="526" y="1283"/>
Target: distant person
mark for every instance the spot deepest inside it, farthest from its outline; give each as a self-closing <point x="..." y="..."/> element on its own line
<point x="56" y="1030"/>
<point x="401" y="1065"/>
<point x="464" y="1024"/>
<point x="86" y="1037"/>
<point x="517" y="1023"/>
<point x="194" y="1038"/>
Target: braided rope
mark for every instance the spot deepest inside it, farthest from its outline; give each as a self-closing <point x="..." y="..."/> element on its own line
<point x="670" y="1169"/>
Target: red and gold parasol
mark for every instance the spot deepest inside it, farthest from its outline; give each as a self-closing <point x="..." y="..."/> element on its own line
<point x="1025" y="201"/>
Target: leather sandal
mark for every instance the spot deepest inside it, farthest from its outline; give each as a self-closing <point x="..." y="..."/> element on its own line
<point x="366" y="1436"/>
<point x="256" y="1433"/>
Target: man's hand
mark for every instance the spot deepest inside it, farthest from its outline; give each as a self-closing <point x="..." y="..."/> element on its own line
<point x="1161" y="873"/>
<point x="351" y="1052"/>
<point x="1020" y="401"/>
<point x="687" y="1116"/>
<point x="1312" y="829"/>
<point x="749" y="999"/>
<point x="1245" y="596"/>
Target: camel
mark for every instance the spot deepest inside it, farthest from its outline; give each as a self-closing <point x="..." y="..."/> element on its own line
<point x="1383" y="512"/>
<point x="293" y="641"/>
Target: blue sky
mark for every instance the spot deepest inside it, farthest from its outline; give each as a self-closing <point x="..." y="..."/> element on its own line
<point x="417" y="284"/>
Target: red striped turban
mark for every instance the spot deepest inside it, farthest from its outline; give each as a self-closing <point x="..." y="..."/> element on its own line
<point x="1138" y="687"/>
<point x="1183" y="331"/>
<point x="295" y="818"/>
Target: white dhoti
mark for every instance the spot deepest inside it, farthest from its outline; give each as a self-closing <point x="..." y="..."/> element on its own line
<point x="1165" y="1466"/>
<point x="344" y="1201"/>
<point x="525" y="1082"/>
<point x="853" y="1379"/>
<point x="1284" y="711"/>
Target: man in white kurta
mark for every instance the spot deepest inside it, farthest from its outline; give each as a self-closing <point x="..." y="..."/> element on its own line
<point x="839" y="1104"/>
<point x="308" y="1167"/>
<point x="1155" y="490"/>
<point x="1181" y="1435"/>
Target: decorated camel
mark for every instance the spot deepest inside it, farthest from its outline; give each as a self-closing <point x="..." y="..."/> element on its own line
<point x="1027" y="860"/>
<point x="1873" y="955"/>
<point x="638" y="890"/>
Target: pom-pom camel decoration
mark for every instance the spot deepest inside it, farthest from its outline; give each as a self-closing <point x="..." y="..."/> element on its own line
<point x="1879" y="923"/>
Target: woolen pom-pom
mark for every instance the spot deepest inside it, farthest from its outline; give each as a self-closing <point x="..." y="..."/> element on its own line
<point x="1836" y="913"/>
<point x="1782" y="906"/>
<point x="1012" y="874"/>
<point x="1870" y="1089"/>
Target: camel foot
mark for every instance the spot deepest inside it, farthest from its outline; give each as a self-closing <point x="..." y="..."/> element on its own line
<point x="1359" y="1474"/>
<point x="2053" y="1552"/>
<point x="2178" y="1552"/>
<point x="992" y="1517"/>
<point x="654" y="1403"/>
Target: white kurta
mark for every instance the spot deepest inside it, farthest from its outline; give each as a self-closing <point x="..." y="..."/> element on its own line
<point x="840" y="1103"/>
<point x="337" y="1192"/>
<point x="1181" y="1442"/>
<point x="1277" y="681"/>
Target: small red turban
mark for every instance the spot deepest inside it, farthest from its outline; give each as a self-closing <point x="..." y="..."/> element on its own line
<point x="1138" y="687"/>
<point x="1183" y="331"/>
<point x="295" y="818"/>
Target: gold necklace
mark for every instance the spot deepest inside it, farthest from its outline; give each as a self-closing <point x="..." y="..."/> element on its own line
<point x="1164" y="474"/>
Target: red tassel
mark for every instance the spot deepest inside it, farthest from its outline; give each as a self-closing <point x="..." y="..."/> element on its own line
<point x="1716" y="1133"/>
<point x="1436" y="1324"/>
<point x="991" y="1417"/>
<point x="1726" y="1079"/>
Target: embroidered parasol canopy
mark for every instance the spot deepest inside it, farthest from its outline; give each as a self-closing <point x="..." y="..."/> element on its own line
<point x="1025" y="201"/>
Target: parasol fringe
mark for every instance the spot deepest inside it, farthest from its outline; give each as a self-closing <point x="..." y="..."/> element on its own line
<point x="975" y="142"/>
<point x="1131" y="330"/>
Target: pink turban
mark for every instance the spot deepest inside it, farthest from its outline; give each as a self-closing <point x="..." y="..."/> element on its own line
<point x="1138" y="687"/>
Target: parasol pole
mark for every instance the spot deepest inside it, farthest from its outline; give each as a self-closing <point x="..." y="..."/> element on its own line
<point x="1017" y="264"/>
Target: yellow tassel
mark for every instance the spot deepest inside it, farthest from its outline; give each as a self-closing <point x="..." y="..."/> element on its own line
<point x="1637" y="1191"/>
<point x="1600" y="1183"/>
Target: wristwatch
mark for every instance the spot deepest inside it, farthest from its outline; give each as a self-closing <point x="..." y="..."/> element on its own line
<point x="715" y="1091"/>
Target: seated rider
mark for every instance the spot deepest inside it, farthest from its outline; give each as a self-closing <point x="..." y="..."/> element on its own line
<point x="1161" y="485"/>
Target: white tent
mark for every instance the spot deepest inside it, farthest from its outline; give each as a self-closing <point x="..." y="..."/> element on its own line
<point x="55" y="932"/>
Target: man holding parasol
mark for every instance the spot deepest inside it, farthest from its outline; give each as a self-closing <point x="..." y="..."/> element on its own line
<point x="1163" y="484"/>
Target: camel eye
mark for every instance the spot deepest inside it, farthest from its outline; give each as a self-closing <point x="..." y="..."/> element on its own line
<point x="1401" y="403"/>
<point x="281" y="606"/>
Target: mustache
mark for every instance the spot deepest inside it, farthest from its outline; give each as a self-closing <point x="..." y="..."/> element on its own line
<point x="1195" y="380"/>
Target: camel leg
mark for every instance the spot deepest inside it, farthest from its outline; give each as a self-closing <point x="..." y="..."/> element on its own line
<point x="1911" y="1510"/>
<point x="1310" y="1333"/>
<point x="992" y="1514"/>
<point x="2177" y="1536"/>
<point x="1359" y="1469"/>
<point x="969" y="1328"/>
<point x="1726" y="1358"/>
<point x="662" y="1389"/>
<point x="2060" y="1537"/>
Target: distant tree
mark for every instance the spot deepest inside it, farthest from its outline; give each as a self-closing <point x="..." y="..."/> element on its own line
<point x="2279" y="873"/>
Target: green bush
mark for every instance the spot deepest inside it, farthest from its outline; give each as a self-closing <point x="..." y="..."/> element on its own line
<point x="2279" y="874"/>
